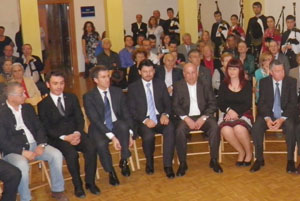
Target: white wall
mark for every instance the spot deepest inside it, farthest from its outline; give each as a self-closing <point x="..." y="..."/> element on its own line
<point x="208" y="7"/>
<point x="98" y="20"/>
<point x="10" y="17"/>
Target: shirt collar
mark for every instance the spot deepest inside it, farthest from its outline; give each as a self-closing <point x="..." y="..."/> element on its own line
<point x="102" y="91"/>
<point x="274" y="81"/>
<point x="145" y="82"/>
<point x="12" y="108"/>
<point x="53" y="96"/>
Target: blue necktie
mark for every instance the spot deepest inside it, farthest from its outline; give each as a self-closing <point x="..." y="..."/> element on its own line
<point x="108" y="118"/>
<point x="150" y="104"/>
<point x="277" y="104"/>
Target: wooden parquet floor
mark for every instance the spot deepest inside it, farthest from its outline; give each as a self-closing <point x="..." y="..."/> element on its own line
<point x="271" y="183"/>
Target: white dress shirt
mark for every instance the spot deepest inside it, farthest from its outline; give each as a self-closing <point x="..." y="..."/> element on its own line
<point x="20" y="123"/>
<point x="194" y="109"/>
<point x="168" y="78"/>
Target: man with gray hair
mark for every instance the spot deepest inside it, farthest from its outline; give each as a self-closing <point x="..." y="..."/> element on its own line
<point x="186" y="46"/>
<point x="23" y="139"/>
<point x="277" y="105"/>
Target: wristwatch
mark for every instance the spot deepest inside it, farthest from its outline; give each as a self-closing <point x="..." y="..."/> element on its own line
<point x="43" y="145"/>
<point x="205" y="117"/>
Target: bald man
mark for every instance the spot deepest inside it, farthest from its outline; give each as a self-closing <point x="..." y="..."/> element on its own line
<point x="195" y="104"/>
<point x="138" y="27"/>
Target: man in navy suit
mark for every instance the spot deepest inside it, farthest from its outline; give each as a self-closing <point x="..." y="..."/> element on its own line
<point x="107" y="111"/>
<point x="150" y="106"/>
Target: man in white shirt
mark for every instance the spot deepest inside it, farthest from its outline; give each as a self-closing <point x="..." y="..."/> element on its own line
<point x="23" y="139"/>
<point x="108" y="113"/>
<point x="194" y="103"/>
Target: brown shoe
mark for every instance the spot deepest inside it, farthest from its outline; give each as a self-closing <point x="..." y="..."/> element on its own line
<point x="60" y="196"/>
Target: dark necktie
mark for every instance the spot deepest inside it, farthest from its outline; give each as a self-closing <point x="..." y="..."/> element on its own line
<point x="60" y="107"/>
<point x="277" y="104"/>
<point x="108" y="118"/>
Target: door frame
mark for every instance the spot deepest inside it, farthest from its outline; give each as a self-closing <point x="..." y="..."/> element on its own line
<point x="73" y="48"/>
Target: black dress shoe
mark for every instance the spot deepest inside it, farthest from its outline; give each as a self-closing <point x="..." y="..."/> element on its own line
<point x="181" y="170"/>
<point x="169" y="172"/>
<point x="79" y="192"/>
<point x="215" y="166"/>
<point x="93" y="188"/>
<point x="149" y="167"/>
<point x="113" y="179"/>
<point x="239" y="163"/>
<point x="290" y="167"/>
<point x="124" y="168"/>
<point x="256" y="166"/>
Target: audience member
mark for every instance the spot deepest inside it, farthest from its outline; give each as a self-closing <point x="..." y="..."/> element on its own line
<point x="171" y="25"/>
<point x="139" y="27"/>
<point x="155" y="29"/>
<point x="235" y="28"/>
<point x="271" y="33"/>
<point x="186" y="46"/>
<point x="277" y="55"/>
<point x="247" y="60"/>
<point x="138" y="56"/>
<point x="4" y="40"/>
<point x="209" y="61"/>
<point x="8" y="55"/>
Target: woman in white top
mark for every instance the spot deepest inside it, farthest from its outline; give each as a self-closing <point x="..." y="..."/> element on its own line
<point x="155" y="29"/>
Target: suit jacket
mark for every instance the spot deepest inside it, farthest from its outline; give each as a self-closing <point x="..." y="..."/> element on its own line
<point x="94" y="108"/>
<point x="182" y="50"/>
<point x="283" y="59"/>
<point x="37" y="63"/>
<point x="161" y="22"/>
<point x="57" y="125"/>
<point x="15" y="141"/>
<point x="207" y="103"/>
<point x="160" y="73"/>
<point x="138" y="101"/>
<point x="205" y="76"/>
<point x="136" y="31"/>
<point x="295" y="73"/>
<point x="288" y="97"/>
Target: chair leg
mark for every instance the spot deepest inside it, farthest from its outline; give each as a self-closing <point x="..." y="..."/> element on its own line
<point x="161" y="145"/>
<point x="46" y="173"/>
<point x="131" y="164"/>
<point x="296" y="154"/>
<point x="220" y="153"/>
<point x="222" y="144"/>
<point x="136" y="155"/>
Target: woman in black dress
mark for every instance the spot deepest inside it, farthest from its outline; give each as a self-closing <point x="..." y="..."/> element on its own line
<point x="234" y="102"/>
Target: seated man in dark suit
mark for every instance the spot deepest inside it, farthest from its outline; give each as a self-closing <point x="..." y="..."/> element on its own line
<point x="150" y="106"/>
<point x="203" y="73"/>
<point x="277" y="105"/>
<point x="63" y="120"/>
<point x="108" y="113"/>
<point x="168" y="73"/>
<point x="195" y="104"/>
<point x="23" y="139"/>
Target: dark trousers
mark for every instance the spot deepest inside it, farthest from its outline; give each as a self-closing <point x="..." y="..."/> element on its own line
<point x="70" y="152"/>
<point x="121" y="132"/>
<point x="211" y="129"/>
<point x="10" y="176"/>
<point x="148" y="141"/>
<point x="258" y="132"/>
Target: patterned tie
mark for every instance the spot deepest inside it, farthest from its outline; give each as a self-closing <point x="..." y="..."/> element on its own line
<point x="277" y="104"/>
<point x="108" y="118"/>
<point x="150" y="104"/>
<point x="60" y="107"/>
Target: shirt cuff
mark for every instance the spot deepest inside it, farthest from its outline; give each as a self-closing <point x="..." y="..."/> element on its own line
<point x="145" y="120"/>
<point x="183" y="117"/>
<point x="267" y="117"/>
<point x="62" y="137"/>
<point x="130" y="132"/>
<point x="77" y="132"/>
<point x="110" y="135"/>
<point x="166" y="114"/>
<point x="284" y="117"/>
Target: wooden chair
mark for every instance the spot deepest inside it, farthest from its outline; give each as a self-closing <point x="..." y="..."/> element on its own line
<point x="41" y="164"/>
<point x="268" y="131"/>
<point x="201" y="142"/>
<point x="86" y="125"/>
<point x="137" y="148"/>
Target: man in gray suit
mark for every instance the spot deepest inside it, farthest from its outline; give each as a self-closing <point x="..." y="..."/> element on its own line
<point x="274" y="48"/>
<point x="186" y="46"/>
<point x="203" y="72"/>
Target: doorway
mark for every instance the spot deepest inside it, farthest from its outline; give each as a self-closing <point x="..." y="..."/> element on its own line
<point x="58" y="35"/>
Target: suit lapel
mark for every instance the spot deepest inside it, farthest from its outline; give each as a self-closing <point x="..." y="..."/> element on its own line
<point x="98" y="101"/>
<point x="142" y="92"/>
<point x="113" y="98"/>
<point x="185" y="93"/>
<point x="199" y="96"/>
<point x="155" y="91"/>
<point x="283" y="91"/>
